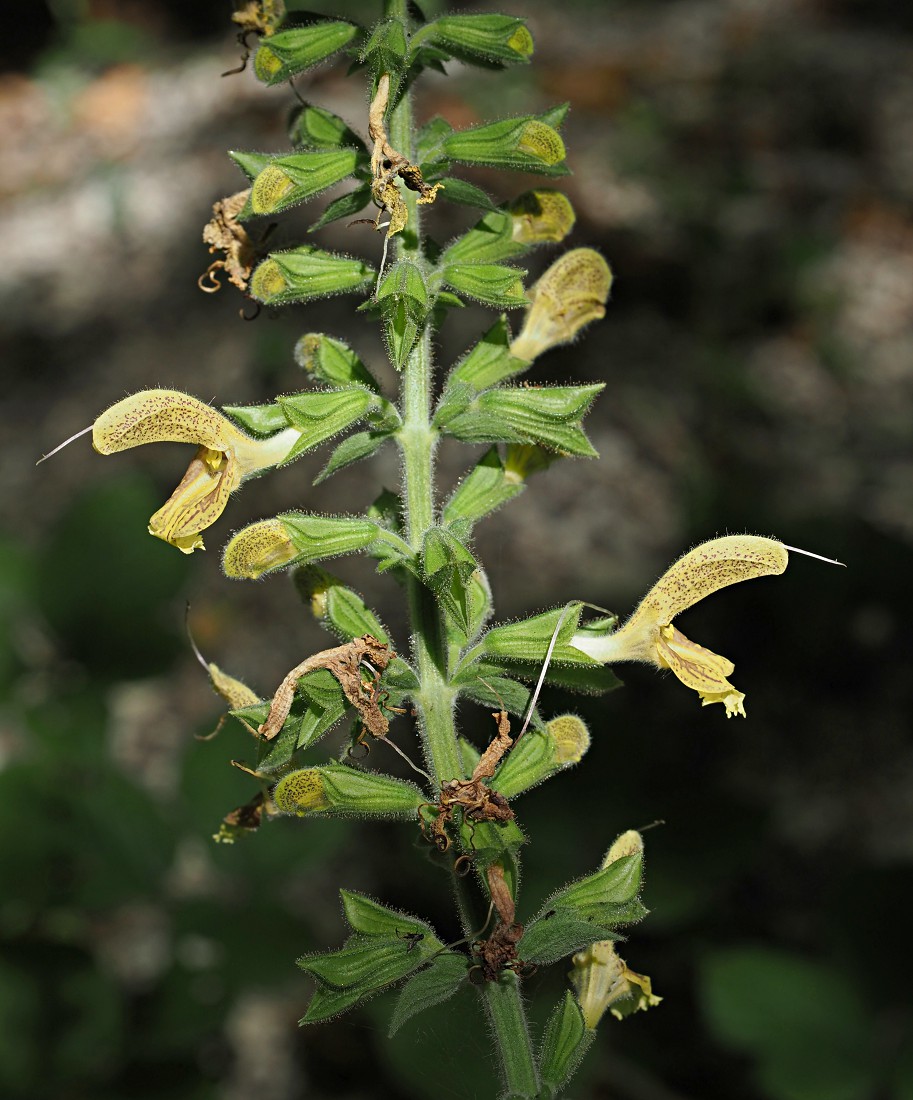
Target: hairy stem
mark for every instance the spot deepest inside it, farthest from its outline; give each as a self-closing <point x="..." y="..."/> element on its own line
<point x="417" y="441"/>
<point x="507" y="1014"/>
<point x="435" y="699"/>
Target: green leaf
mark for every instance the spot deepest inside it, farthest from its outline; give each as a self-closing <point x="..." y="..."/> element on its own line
<point x="387" y="512"/>
<point x="251" y="164"/>
<point x="320" y="416"/>
<point x="317" y="537"/>
<point x="492" y="284"/>
<point x="289" y="52"/>
<point x="491" y="41"/>
<point x="430" y="138"/>
<point x="559" y="933"/>
<point x="373" y="919"/>
<point x="339" y="608"/>
<point x="447" y="566"/>
<point x="529" y="639"/>
<point x="490" y="241"/>
<point x="564" y="1043"/>
<point x="346" y="206"/>
<point x="490" y="686"/>
<point x="470" y="755"/>
<point x="404" y="305"/>
<point x="527" y="144"/>
<point x="491" y="841"/>
<point x="595" y="897"/>
<point x="288" y="180"/>
<point x="354" y="449"/>
<point x="305" y="273"/>
<point x="482" y="491"/>
<point x="385" y="51"/>
<point x="588" y="679"/>
<point x="332" y="361"/>
<point x="466" y="194"/>
<point x="490" y="361"/>
<point x="433" y="985"/>
<point x="259" y="419"/>
<point x="317" y="128"/>
<point x="547" y="415"/>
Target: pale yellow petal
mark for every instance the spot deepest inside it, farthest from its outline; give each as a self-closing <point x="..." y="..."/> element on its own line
<point x="700" y="669"/>
<point x="708" y="568"/>
<point x="569" y="295"/>
<point x="162" y="416"/>
<point x="258" y="548"/>
<point x="197" y="502"/>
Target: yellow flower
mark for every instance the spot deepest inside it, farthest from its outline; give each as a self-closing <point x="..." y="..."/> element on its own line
<point x="569" y="295"/>
<point x="649" y="635"/>
<point x="603" y="981"/>
<point x="600" y="978"/>
<point x="225" y="456"/>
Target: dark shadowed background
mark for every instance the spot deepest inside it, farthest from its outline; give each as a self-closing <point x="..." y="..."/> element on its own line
<point x="747" y="168"/>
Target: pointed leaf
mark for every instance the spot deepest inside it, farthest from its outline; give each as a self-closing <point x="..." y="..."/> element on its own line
<point x="433" y="985"/>
<point x="565" y="1042"/>
<point x="346" y="206"/>
<point x="320" y="416"/>
<point x="259" y="419"/>
<point x="354" y="449"/>
<point x="332" y="361"/>
<point x="554" y="937"/>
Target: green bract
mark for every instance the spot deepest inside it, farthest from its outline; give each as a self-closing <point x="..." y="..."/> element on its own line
<point x="528" y="144"/>
<point x="286" y="181"/>
<point x="289" y="52"/>
<point x="312" y="127"/>
<point x="549" y="415"/>
<point x="304" y="273"/>
<point x="487" y="40"/>
<point x="404" y="305"/>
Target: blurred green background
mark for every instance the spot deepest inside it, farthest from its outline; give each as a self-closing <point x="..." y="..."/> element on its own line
<point x="747" y="168"/>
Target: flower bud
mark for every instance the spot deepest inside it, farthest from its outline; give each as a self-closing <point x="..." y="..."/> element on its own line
<point x="237" y="694"/>
<point x="539" y="140"/>
<point x="527" y="144"/>
<point x="571" y="294"/>
<point x="302" y="792"/>
<point x="304" y="273"/>
<point x="540" y="216"/>
<point x="603" y="981"/>
<point x="630" y="843"/>
<point x="289" y="52"/>
<point x="571" y="740"/>
<point x="523" y="460"/>
<point x="342" y="791"/>
<point x="540" y="754"/>
<point x="257" y="549"/>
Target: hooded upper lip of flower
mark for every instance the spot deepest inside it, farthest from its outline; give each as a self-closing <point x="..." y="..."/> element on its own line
<point x="649" y="635"/>
<point x="224" y="458"/>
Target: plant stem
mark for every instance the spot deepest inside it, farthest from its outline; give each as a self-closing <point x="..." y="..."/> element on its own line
<point x="435" y="698"/>
<point x="508" y="1020"/>
<point x="417" y="440"/>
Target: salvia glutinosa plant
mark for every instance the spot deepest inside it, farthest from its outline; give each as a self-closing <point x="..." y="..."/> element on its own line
<point x="464" y="805"/>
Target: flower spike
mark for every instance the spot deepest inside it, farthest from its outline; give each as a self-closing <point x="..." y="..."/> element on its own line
<point x="649" y="635"/>
<point x="225" y="456"/>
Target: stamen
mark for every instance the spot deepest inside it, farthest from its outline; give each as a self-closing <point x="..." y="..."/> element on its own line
<point x="193" y="645"/>
<point x="548" y="657"/>
<point x="809" y="554"/>
<point x="61" y="446"/>
<point x="414" y="767"/>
